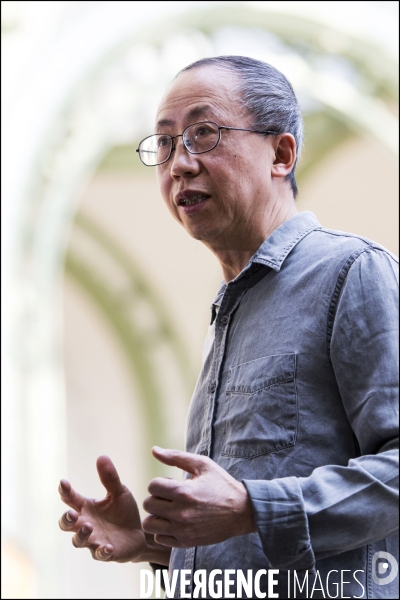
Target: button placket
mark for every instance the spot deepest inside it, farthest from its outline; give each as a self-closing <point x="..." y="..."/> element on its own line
<point x="232" y="297"/>
<point x="221" y="332"/>
<point x="219" y="348"/>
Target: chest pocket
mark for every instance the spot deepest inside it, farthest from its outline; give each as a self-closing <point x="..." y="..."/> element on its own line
<point x="261" y="407"/>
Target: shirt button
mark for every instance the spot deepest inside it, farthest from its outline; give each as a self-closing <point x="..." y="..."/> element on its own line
<point x="204" y="453"/>
<point x="213" y="387"/>
<point x="225" y="320"/>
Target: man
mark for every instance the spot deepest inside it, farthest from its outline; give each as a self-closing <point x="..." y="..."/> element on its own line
<point x="291" y="440"/>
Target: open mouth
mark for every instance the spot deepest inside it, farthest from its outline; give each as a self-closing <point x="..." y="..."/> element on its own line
<point x="193" y="200"/>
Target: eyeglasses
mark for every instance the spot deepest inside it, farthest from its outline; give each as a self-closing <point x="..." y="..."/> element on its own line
<point x="197" y="139"/>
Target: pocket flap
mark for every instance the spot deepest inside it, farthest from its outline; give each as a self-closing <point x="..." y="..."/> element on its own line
<point x="260" y="373"/>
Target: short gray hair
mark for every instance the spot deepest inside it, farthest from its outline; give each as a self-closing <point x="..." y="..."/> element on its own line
<point x="268" y="97"/>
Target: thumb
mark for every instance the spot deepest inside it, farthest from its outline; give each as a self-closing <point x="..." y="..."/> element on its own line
<point x="109" y="476"/>
<point x="191" y="463"/>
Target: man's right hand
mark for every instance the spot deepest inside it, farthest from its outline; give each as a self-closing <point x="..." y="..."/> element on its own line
<point x="111" y="527"/>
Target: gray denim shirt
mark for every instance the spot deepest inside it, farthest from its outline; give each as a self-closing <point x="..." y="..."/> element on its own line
<point x="297" y="398"/>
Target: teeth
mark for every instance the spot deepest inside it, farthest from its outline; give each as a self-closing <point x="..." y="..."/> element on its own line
<point x="194" y="200"/>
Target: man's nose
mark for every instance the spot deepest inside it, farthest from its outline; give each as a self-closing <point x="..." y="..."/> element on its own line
<point x="182" y="162"/>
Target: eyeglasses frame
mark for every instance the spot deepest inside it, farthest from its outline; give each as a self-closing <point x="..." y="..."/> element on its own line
<point x="173" y="146"/>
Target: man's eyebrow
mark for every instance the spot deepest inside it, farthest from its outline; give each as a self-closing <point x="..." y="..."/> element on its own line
<point x="198" y="111"/>
<point x="164" y="123"/>
<point x="195" y="113"/>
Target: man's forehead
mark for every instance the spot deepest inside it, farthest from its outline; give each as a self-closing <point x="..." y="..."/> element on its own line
<point x="199" y="93"/>
<point x="199" y="111"/>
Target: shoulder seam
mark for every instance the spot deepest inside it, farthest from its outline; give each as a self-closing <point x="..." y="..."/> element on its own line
<point x="370" y="243"/>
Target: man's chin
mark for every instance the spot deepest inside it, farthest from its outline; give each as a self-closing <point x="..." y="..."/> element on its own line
<point x="198" y="233"/>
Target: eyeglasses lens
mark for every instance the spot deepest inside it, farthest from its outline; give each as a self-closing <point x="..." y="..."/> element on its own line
<point x="155" y="149"/>
<point x="201" y="137"/>
<point x="198" y="138"/>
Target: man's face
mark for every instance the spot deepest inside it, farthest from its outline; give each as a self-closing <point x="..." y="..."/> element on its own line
<point x="231" y="184"/>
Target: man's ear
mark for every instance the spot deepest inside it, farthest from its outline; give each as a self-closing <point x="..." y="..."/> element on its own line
<point x="285" y="155"/>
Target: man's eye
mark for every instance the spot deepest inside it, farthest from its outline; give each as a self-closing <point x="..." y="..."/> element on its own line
<point x="163" y="141"/>
<point x="203" y="130"/>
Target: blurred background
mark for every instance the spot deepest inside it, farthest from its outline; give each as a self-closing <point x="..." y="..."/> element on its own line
<point x="105" y="299"/>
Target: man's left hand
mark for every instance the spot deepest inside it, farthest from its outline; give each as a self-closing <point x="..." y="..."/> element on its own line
<point x="208" y="508"/>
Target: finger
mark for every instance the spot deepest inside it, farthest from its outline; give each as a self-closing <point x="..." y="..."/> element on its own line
<point x="68" y="520"/>
<point x="156" y="525"/>
<point x="157" y="506"/>
<point x="164" y="488"/>
<point x="191" y="463"/>
<point x="109" y="476"/>
<point x="170" y="541"/>
<point x="81" y="538"/>
<point x="69" y="495"/>
<point x="103" y="553"/>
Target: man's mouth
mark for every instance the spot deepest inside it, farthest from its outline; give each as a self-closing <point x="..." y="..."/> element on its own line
<point x="192" y="200"/>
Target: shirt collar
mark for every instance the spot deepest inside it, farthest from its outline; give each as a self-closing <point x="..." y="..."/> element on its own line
<point x="276" y="247"/>
<point x="282" y="240"/>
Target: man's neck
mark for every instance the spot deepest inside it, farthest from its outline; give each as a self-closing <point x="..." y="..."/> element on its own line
<point x="233" y="259"/>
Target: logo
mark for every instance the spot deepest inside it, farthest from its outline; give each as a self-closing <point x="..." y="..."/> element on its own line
<point x="387" y="564"/>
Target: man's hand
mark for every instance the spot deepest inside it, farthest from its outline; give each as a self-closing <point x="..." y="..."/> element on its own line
<point x="111" y="527"/>
<point x="208" y="508"/>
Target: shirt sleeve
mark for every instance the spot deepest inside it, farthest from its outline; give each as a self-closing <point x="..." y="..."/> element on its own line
<point x="339" y="508"/>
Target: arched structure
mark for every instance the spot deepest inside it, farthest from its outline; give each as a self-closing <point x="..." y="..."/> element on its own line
<point x="86" y="77"/>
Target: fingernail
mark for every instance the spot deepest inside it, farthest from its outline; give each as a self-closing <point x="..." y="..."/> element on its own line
<point x="68" y="517"/>
<point x="85" y="530"/>
<point x="107" y="551"/>
<point x="158" y="449"/>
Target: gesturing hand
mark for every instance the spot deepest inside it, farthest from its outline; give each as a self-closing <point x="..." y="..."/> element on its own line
<point x="111" y="527"/>
<point x="208" y="508"/>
